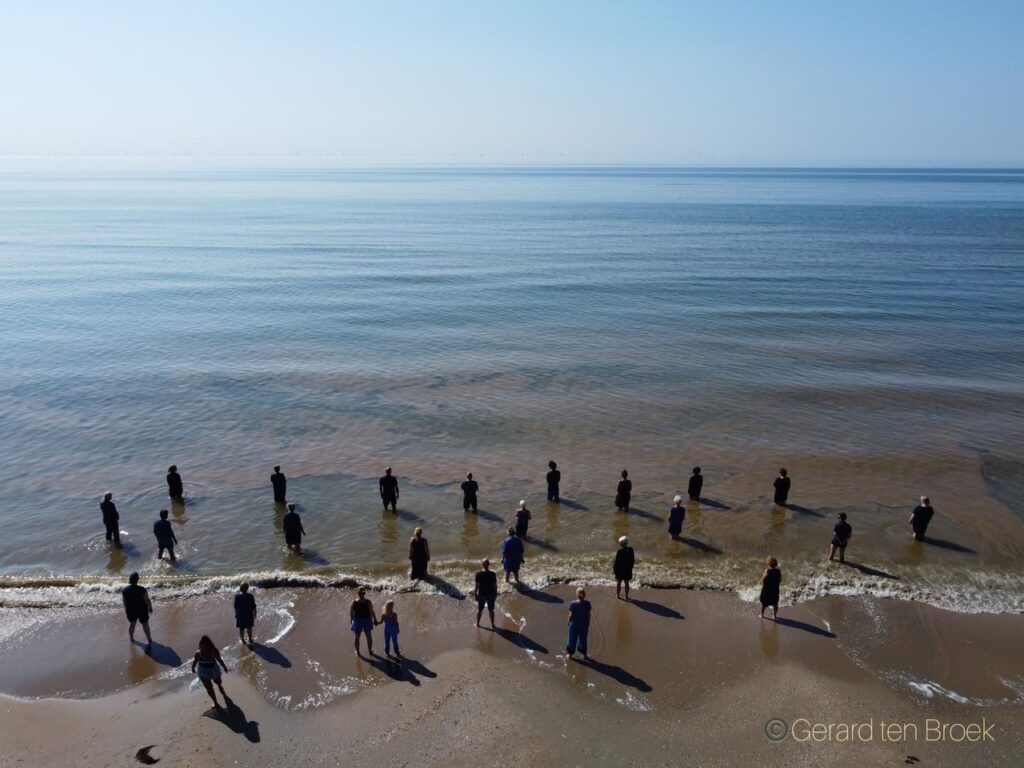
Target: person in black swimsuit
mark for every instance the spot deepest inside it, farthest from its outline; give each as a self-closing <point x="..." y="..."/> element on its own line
<point x="388" y="485"/>
<point x="920" y="517"/>
<point x="175" y="488"/>
<point x="469" y="489"/>
<point x="770" y="581"/>
<point x="554" y="478"/>
<point x="293" y="530"/>
<point x="696" y="484"/>
<point x="782" y="485"/>
<point x="280" y="483"/>
<point x="623" y="491"/>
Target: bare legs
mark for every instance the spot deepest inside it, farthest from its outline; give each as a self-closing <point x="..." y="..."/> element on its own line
<point x="145" y="628"/>
<point x="618" y="589"/>
<point x="208" y="685"/>
<point x="369" y="642"/>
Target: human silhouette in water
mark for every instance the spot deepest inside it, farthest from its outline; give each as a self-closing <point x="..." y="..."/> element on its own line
<point x="175" y="488"/>
<point x="165" y="538"/>
<point x="623" y="491"/>
<point x="280" y="484"/>
<point x="469" y="489"/>
<point x="388" y="485"/>
<point x="554" y="479"/>
<point x="920" y="517"/>
<point x="293" y="530"/>
<point x="782" y="485"/>
<point x="111" y="519"/>
<point x="696" y="484"/>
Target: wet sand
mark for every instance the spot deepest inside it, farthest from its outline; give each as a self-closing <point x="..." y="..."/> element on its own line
<point x="678" y="677"/>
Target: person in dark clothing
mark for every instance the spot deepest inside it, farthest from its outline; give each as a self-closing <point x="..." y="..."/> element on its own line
<point x="175" y="488"/>
<point x="841" y="533"/>
<point x="623" y="566"/>
<point x="554" y="479"/>
<point x="110" y="519"/>
<point x="782" y="487"/>
<point x="363" y="618"/>
<point x="293" y="530"/>
<point x="280" y="484"/>
<point x="523" y="517"/>
<point x="485" y="591"/>
<point x="623" y="491"/>
<point x="676" y="516"/>
<point x="137" y="607"/>
<point x="388" y="485"/>
<point x="770" y="581"/>
<point x="165" y="538"/>
<point x="920" y="517"/>
<point x="579" y="624"/>
<point x="469" y="489"/>
<point x="419" y="555"/>
<point x="696" y="484"/>
<point x="245" y="612"/>
<point x="512" y="555"/>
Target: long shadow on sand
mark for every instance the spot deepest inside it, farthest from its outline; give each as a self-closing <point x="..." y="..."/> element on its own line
<point x="713" y="504"/>
<point x="518" y="638"/>
<point x="270" y="655"/>
<point x="162" y="654"/>
<point x="616" y="673"/>
<point x="794" y="624"/>
<point x="657" y="609"/>
<point x="393" y="669"/>
<point x="950" y="545"/>
<point x="414" y="666"/>
<point x="536" y="594"/>
<point x="867" y="570"/>
<point x="444" y="587"/>
<point x="234" y="718"/>
<point x="700" y="545"/>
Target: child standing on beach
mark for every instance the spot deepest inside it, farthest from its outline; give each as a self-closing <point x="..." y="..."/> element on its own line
<point x="390" y="621"/>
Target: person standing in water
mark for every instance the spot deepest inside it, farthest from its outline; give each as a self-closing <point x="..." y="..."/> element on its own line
<point x="245" y="612"/>
<point x="388" y="485"/>
<point x="554" y="479"/>
<point x="390" y="621"/>
<point x="623" y="490"/>
<point x="363" y="620"/>
<point x="696" y="484"/>
<point x="165" y="538"/>
<point x="111" y="519"/>
<point x="522" y="519"/>
<point x="770" y="581"/>
<point x="920" y="517"/>
<point x="579" y="624"/>
<point x="623" y="567"/>
<point x="485" y="590"/>
<point x="841" y="533"/>
<point x="782" y="485"/>
<point x="676" y="516"/>
<point x="419" y="555"/>
<point x="293" y="530"/>
<point x="469" y="489"/>
<point x="280" y="484"/>
<point x="137" y="607"/>
<point x="207" y="659"/>
<point x="175" y="488"/>
<point x="512" y="552"/>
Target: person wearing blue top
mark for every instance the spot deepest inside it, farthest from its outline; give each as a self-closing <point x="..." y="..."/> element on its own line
<point x="165" y="538"/>
<point x="676" y="516"/>
<point x="245" y="612"/>
<point x="579" y="624"/>
<point x="512" y="552"/>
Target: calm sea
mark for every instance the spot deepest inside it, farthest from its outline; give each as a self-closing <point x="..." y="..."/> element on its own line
<point x="863" y="328"/>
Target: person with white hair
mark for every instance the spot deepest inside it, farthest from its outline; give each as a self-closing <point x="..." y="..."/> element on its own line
<point x="522" y="519"/>
<point x="623" y="567"/>
<point x="676" y="516"/>
<point x="920" y="517"/>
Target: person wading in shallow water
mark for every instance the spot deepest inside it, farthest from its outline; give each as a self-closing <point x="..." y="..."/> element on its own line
<point x="623" y="490"/>
<point x="469" y="490"/>
<point x="623" y="566"/>
<point x="696" y="484"/>
<point x="419" y="555"/>
<point x="512" y="553"/>
<point x="782" y="485"/>
<point x="388" y="485"/>
<point x="554" y="479"/>
<point x="770" y="581"/>
<point x="165" y="538"/>
<point x="245" y="612"/>
<point x="676" y="517"/>
<point x="175" y="488"/>
<point x="920" y="517"/>
<point x="111" y="519"/>
<point x="293" y="530"/>
<point x="280" y="484"/>
<point x="841" y="533"/>
<point x="522" y="519"/>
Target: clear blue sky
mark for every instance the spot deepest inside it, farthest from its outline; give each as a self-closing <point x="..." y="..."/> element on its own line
<point x="811" y="83"/>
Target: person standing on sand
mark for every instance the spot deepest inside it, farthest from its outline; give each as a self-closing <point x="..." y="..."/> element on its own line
<point x="419" y="555"/>
<point x="390" y="621"/>
<point x="469" y="489"/>
<point x="554" y="479"/>
<point x="782" y="485"/>
<point x="280" y="484"/>
<point x="770" y="581"/>
<point x="363" y="619"/>
<point x="165" y="538"/>
<point x="111" y="519"/>
<point x="623" y="491"/>
<point x="207" y="658"/>
<point x="245" y="612"/>
<point x="137" y="607"/>
<point x="841" y="533"/>
<point x="485" y="591"/>
<point x="512" y="552"/>
<point x="623" y="566"/>
<point x="522" y="519"/>
<point x="579" y="624"/>
<point x="920" y="517"/>
<point x="175" y="488"/>
<point x="676" y="516"/>
<point x="293" y="530"/>
<point x="696" y="484"/>
<point x="388" y="485"/>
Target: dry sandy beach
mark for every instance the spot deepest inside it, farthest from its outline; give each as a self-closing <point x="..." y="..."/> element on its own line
<point x="679" y="677"/>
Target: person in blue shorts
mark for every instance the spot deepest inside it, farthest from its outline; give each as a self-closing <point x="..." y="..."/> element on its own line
<point x="579" y="624"/>
<point x="363" y="619"/>
<point x="485" y="591"/>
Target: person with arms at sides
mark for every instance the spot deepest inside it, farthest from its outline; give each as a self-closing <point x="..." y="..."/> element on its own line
<point x="280" y="485"/>
<point x="554" y="479"/>
<point x="245" y="612"/>
<point x="390" y="621"/>
<point x="469" y="489"/>
<point x="623" y="567"/>
<point x="485" y="591"/>
<point x="165" y="538"/>
<point x="623" y="490"/>
<point x="175" y="488"/>
<point x="293" y="530"/>
<point x="770" y="581"/>
<point x="920" y="517"/>
<point x="512" y="554"/>
<point x="782" y="485"/>
<point x="111" y="519"/>
<point x="419" y="555"/>
<point x="579" y="624"/>
<point x="388" y="485"/>
<point x="676" y="516"/>
<point x="137" y="607"/>
<point x="363" y="620"/>
<point x="841" y="533"/>
<point x="208" y="658"/>
<point x="523" y="517"/>
<point x="696" y="484"/>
